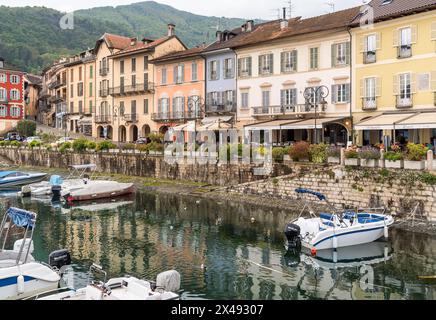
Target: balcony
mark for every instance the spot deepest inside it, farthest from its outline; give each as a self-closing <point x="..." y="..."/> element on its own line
<point x="244" y="73"/>
<point x="3" y="100"/>
<point x="287" y="110"/>
<point x="369" y="57"/>
<point x="369" y="103"/>
<point x="58" y="99"/>
<point x="176" y="116"/>
<point x="132" y="90"/>
<point x="102" y="119"/>
<point x="131" y="117"/>
<point x="104" y="71"/>
<point x="103" y="93"/>
<point x="57" y="84"/>
<point x="404" y="51"/>
<point x="404" y="101"/>
<point x="265" y="70"/>
<point x="221" y="107"/>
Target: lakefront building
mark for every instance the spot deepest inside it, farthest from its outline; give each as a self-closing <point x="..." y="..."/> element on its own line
<point x="278" y="61"/>
<point x="394" y="72"/>
<point x="133" y="86"/>
<point x="12" y="106"/>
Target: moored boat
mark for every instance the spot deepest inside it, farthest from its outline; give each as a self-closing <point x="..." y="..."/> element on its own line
<point x="10" y="180"/>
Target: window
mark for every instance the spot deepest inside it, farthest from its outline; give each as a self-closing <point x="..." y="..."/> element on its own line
<point x="121" y="85"/>
<point x="405" y="43"/>
<point x="266" y="66"/>
<point x="80" y="107"/>
<point x="244" y="67"/>
<point x="80" y="89"/>
<point x="122" y="108"/>
<point x="71" y="90"/>
<point x="71" y="107"/>
<point x="15" y="94"/>
<point x="3" y="78"/>
<point x="80" y="73"/>
<point x="145" y="106"/>
<point x="229" y="99"/>
<point x="340" y="54"/>
<point x="315" y="98"/>
<point x="133" y="80"/>
<point x="90" y="106"/>
<point x="314" y="58"/>
<point x="194" y="71"/>
<point x="145" y="62"/>
<point x="178" y="106"/>
<point x="288" y="97"/>
<point x="370" y="46"/>
<point x="3" y="96"/>
<point x="91" y="71"/>
<point x="229" y="68"/>
<point x="404" y="88"/>
<point x="164" y="76"/>
<point x="15" y="79"/>
<point x="370" y="92"/>
<point x="122" y="66"/>
<point x="341" y="93"/>
<point x="90" y="89"/>
<point x="145" y="81"/>
<point x="214" y="70"/>
<point x="423" y="81"/>
<point x="265" y="98"/>
<point x="133" y="107"/>
<point x="179" y="76"/>
<point x="163" y="106"/>
<point x="15" y="112"/>
<point x="3" y="111"/>
<point x="133" y="64"/>
<point x="72" y="75"/>
<point x="244" y="100"/>
<point x="289" y="61"/>
<point x="194" y="106"/>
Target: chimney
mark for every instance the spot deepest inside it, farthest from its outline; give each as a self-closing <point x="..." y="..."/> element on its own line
<point x="219" y="36"/>
<point x="284" y="22"/>
<point x="132" y="41"/>
<point x="171" y="29"/>
<point x="249" y="26"/>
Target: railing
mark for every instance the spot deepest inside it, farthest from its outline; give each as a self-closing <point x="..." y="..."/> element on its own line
<point x="287" y="109"/>
<point x="369" y="57"/>
<point x="244" y="73"/>
<point x="59" y="99"/>
<point x="104" y="93"/>
<point x="102" y="118"/>
<point x="213" y="75"/>
<point x="104" y="71"/>
<point x="176" y="115"/>
<point x="58" y="83"/>
<point x="131" y="117"/>
<point x="221" y="107"/>
<point x="4" y="100"/>
<point x="137" y="88"/>
<point x="369" y="103"/>
<point x="404" y="51"/>
<point x="404" y="102"/>
<point x="265" y="70"/>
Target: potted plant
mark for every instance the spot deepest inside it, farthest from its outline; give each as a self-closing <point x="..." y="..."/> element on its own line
<point x="300" y="151"/>
<point x="318" y="153"/>
<point x="334" y="155"/>
<point x="369" y="157"/>
<point x="352" y="157"/>
<point x="415" y="156"/>
<point x="394" y="158"/>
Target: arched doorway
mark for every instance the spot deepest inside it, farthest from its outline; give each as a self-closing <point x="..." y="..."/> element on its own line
<point x="133" y="133"/>
<point x="110" y="132"/>
<point x="163" y="129"/>
<point x="145" y="130"/>
<point x="335" y="133"/>
<point x="100" y="132"/>
<point x="122" y="134"/>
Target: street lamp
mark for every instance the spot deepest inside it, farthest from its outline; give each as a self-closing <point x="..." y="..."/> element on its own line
<point x="312" y="93"/>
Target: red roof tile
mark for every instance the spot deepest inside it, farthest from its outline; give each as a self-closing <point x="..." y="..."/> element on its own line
<point x="179" y="55"/>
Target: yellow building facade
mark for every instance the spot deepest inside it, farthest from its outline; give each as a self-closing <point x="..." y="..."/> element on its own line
<point x="394" y="80"/>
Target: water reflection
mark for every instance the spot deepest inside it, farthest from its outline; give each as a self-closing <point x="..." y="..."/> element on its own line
<point x="226" y="250"/>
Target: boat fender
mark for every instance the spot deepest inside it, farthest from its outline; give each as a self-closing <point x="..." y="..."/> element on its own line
<point x="335" y="242"/>
<point x="20" y="284"/>
<point x="386" y="232"/>
<point x="335" y="256"/>
<point x="313" y="252"/>
<point x="26" y="192"/>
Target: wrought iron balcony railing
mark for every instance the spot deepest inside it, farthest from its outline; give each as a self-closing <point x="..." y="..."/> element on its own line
<point x="404" y="51"/>
<point x="132" y="89"/>
<point x="369" y="57"/>
<point x="176" y="115"/>
<point x="404" y="101"/>
<point x="369" y="103"/>
<point x="131" y="117"/>
<point x="223" y="107"/>
<point x="104" y="71"/>
<point x="102" y="118"/>
<point x="287" y="109"/>
<point x="104" y="93"/>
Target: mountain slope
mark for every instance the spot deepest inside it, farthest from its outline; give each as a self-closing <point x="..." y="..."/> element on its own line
<point x="30" y="37"/>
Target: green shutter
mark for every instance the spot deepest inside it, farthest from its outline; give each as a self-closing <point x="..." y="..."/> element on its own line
<point x="334" y="94"/>
<point x="249" y="66"/>
<point x="348" y="53"/>
<point x="334" y="55"/>
<point x="271" y="59"/>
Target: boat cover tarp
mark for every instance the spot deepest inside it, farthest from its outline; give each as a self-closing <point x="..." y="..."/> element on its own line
<point x="316" y="194"/>
<point x="22" y="218"/>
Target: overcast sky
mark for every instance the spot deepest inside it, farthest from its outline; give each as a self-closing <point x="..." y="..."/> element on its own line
<point x="263" y="9"/>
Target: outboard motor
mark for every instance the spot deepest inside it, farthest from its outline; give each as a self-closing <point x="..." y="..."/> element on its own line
<point x="292" y="233"/>
<point x="56" y="193"/>
<point x="26" y="192"/>
<point x="59" y="258"/>
<point x="168" y="281"/>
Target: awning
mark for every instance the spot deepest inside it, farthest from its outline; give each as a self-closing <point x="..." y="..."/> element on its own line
<point x="270" y="125"/>
<point x="77" y="117"/>
<point x="216" y="119"/>
<point x="310" y="123"/>
<point x="189" y="126"/>
<point x="425" y="120"/>
<point x="215" y="126"/>
<point x="383" y="122"/>
<point x="85" y="121"/>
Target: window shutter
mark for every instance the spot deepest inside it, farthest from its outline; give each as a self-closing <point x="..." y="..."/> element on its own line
<point x="378" y="41"/>
<point x="347" y="92"/>
<point x="175" y="75"/>
<point x="295" y="60"/>
<point x="294" y="96"/>
<point x="378" y="86"/>
<point x="260" y="65"/>
<point x="396" y="85"/>
<point x="362" y="88"/>
<point x="218" y="69"/>
<point x="239" y="67"/>
<point x="334" y="55"/>
<point x="395" y="38"/>
<point x="362" y="44"/>
<point x="159" y="105"/>
<point x="282" y="62"/>
<point x="183" y="73"/>
<point x="414" y="31"/>
<point x="348" y="53"/>
<point x="433" y="81"/>
<point x="271" y="60"/>
<point x="249" y="63"/>
<point x="334" y="94"/>
<point x="433" y="31"/>
<point x="282" y="97"/>
<point x="224" y="69"/>
<point x="209" y="98"/>
<point x="413" y="82"/>
<point x="183" y="104"/>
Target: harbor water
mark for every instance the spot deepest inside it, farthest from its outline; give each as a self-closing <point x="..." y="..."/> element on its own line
<point x="225" y="250"/>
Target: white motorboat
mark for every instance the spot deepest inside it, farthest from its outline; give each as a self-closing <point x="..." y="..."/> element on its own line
<point x="78" y="186"/>
<point x="13" y="180"/>
<point x="20" y="275"/>
<point x="123" y="288"/>
<point x="333" y="230"/>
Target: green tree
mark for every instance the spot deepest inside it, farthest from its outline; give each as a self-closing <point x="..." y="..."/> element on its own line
<point x="26" y="128"/>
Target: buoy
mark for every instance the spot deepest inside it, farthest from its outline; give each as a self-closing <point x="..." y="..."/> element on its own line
<point x="253" y="220"/>
<point x="203" y="266"/>
<point x="197" y="202"/>
<point x="171" y="227"/>
<point x="26" y="192"/>
<point x="335" y="256"/>
<point x="20" y="284"/>
<point x="386" y="232"/>
<point x="335" y="242"/>
<point x="313" y="251"/>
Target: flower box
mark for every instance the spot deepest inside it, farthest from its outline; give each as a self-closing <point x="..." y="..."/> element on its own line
<point x="333" y="160"/>
<point x="414" y="165"/>
<point x="352" y="162"/>
<point x="394" y="164"/>
<point x="369" y="163"/>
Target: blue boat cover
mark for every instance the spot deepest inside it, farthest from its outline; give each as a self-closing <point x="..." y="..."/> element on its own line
<point x="56" y="180"/>
<point x="320" y="196"/>
<point x="22" y="218"/>
<point x="5" y="173"/>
